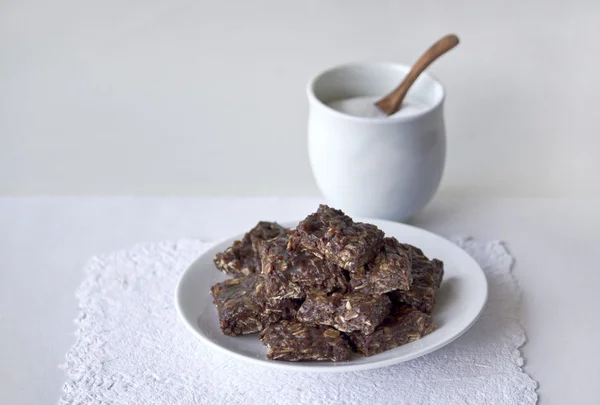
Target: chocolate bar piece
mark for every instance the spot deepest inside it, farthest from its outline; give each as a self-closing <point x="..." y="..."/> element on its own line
<point x="390" y="270"/>
<point x="241" y="258"/>
<point x="427" y="277"/>
<point x="243" y="306"/>
<point x="295" y="341"/>
<point x="404" y="325"/>
<point x="334" y="236"/>
<point x="347" y="313"/>
<point x="294" y="274"/>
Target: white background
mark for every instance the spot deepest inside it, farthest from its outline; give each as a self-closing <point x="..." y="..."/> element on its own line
<point x="199" y="97"/>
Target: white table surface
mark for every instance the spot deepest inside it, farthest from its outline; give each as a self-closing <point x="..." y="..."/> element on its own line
<point x="44" y="243"/>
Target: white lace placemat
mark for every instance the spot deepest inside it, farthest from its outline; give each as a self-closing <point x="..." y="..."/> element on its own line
<point x="131" y="348"/>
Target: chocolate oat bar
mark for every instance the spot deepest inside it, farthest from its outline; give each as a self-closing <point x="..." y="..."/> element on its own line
<point x="390" y="270"/>
<point x="293" y="274"/>
<point x="427" y="277"/>
<point x="404" y="325"/>
<point x="347" y="313"/>
<point x="294" y="341"/>
<point x="334" y="236"/>
<point x="241" y="258"/>
<point x="243" y="306"/>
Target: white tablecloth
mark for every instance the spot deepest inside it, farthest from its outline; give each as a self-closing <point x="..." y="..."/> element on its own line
<point x="131" y="349"/>
<point x="45" y="242"/>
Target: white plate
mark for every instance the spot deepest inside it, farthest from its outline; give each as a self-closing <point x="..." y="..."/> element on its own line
<point x="461" y="299"/>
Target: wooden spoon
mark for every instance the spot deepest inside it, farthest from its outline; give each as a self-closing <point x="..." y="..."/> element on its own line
<point x="391" y="103"/>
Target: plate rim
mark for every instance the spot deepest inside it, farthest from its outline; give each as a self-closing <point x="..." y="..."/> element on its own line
<point x="332" y="367"/>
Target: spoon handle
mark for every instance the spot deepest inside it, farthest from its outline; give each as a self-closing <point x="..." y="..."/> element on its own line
<point x="391" y="102"/>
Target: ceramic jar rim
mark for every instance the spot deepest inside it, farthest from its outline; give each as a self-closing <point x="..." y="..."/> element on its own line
<point x="438" y="88"/>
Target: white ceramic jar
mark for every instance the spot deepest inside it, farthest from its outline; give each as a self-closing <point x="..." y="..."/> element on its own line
<point x="387" y="167"/>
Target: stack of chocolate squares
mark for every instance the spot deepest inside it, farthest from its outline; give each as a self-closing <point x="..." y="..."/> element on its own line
<point x="327" y="288"/>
